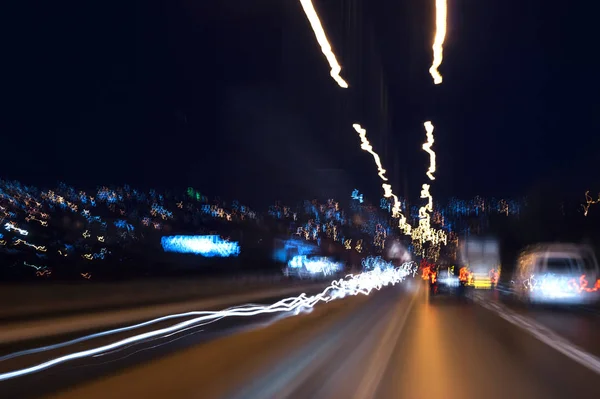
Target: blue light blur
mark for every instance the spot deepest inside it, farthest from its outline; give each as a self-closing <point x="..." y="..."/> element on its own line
<point x="292" y="248"/>
<point x="320" y="265"/>
<point x="207" y="246"/>
<point x="357" y="196"/>
<point x="553" y="288"/>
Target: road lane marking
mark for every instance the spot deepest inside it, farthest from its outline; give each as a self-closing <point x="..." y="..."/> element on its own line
<point x="283" y="379"/>
<point x="382" y="355"/>
<point x="544" y="335"/>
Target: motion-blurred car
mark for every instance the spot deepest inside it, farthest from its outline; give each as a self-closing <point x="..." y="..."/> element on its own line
<point x="557" y="273"/>
<point x="444" y="281"/>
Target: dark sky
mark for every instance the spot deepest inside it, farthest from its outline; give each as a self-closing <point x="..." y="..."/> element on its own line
<point x="178" y="93"/>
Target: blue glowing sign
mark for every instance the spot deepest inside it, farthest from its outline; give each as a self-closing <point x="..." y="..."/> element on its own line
<point x="207" y="246"/>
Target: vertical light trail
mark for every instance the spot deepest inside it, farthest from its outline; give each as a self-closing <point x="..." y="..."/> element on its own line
<point x="424" y="211"/>
<point x="427" y="147"/>
<point x="428" y="207"/>
<point x="387" y="188"/>
<point x="424" y="232"/>
<point x="441" y="14"/>
<point x="319" y="32"/>
<point x="366" y="146"/>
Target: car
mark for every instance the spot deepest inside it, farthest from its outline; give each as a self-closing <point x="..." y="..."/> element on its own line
<point x="557" y="273"/>
<point x="444" y="281"/>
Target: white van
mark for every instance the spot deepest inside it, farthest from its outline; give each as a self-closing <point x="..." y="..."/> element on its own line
<point x="557" y="273"/>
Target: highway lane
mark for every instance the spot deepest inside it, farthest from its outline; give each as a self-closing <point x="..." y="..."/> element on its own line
<point x="578" y="324"/>
<point x="454" y="350"/>
<point x="90" y="368"/>
<point x="207" y="360"/>
<point x="394" y="344"/>
<point x="31" y="330"/>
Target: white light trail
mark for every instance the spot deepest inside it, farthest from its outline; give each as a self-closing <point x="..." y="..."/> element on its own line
<point x="427" y="147"/>
<point x="365" y="145"/>
<point x="319" y="32"/>
<point x="362" y="283"/>
<point x="387" y="188"/>
<point x="441" y="14"/>
<point x="424" y="232"/>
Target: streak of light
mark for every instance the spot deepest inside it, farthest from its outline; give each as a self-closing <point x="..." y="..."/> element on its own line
<point x="441" y="14"/>
<point x="319" y="32"/>
<point x="40" y="248"/>
<point x="11" y="226"/>
<point x="194" y="331"/>
<point x="387" y="188"/>
<point x="424" y="232"/>
<point x="363" y="283"/>
<point x="366" y="146"/>
<point x="151" y="347"/>
<point x="589" y="201"/>
<point x="427" y="147"/>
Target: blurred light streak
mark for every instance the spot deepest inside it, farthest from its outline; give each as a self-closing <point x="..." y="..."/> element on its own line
<point x="208" y="246"/>
<point x="441" y="14"/>
<point x="372" y="263"/>
<point x="465" y="275"/>
<point x="387" y="188"/>
<point x="357" y="196"/>
<point x="427" y="147"/>
<point x="481" y="282"/>
<point x="317" y="265"/>
<point x="556" y="288"/>
<point x="363" y="283"/>
<point x="319" y="32"/>
<point x="366" y="146"/>
<point x="40" y="248"/>
<point x="11" y="226"/>
<point x="424" y="232"/>
<point x="589" y="201"/>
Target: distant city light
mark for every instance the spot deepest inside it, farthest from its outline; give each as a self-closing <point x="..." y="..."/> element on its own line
<point x="207" y="246"/>
<point x="357" y="196"/>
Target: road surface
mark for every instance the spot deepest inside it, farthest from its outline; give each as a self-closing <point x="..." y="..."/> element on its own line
<point x="395" y="343"/>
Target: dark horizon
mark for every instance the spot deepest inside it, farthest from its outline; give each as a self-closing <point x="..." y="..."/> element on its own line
<point x="237" y="100"/>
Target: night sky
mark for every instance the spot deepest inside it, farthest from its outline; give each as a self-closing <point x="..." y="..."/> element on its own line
<point x="179" y="93"/>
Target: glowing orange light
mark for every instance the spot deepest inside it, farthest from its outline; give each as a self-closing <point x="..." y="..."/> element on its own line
<point x="465" y="275"/>
<point x="425" y="273"/>
<point x="583" y="285"/>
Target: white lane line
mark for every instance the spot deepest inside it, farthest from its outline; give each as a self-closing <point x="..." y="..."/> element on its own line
<point x="381" y="358"/>
<point x="545" y="335"/>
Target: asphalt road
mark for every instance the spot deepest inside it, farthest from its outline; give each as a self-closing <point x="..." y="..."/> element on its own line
<point x="396" y="343"/>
